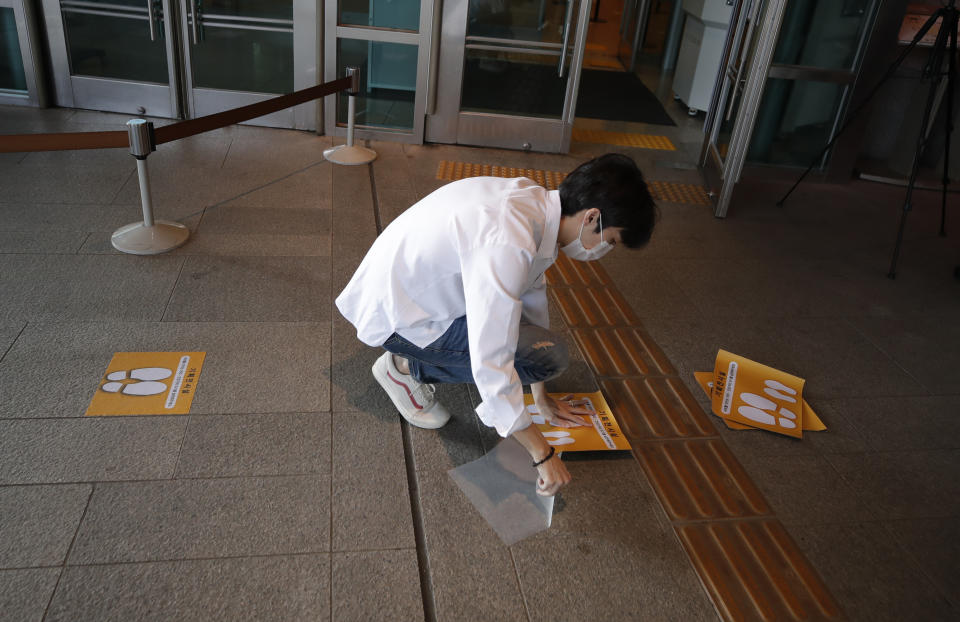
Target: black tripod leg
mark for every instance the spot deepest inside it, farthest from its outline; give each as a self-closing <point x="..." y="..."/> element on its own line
<point x="853" y="115"/>
<point x="921" y="143"/>
<point x="951" y="82"/>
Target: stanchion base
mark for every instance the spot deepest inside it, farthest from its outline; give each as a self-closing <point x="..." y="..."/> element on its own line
<point x="342" y="154"/>
<point x="138" y="239"/>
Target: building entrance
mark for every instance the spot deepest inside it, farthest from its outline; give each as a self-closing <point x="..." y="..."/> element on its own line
<point x="183" y="58"/>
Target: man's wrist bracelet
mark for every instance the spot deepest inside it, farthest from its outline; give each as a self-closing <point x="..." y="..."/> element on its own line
<point x="549" y="455"/>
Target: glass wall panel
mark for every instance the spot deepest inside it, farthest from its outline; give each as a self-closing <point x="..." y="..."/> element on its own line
<point x="115" y="47"/>
<point x="388" y="82"/>
<point x="822" y="33"/>
<point x="520" y="20"/>
<point x="794" y="121"/>
<point x="512" y="83"/>
<point x="250" y="9"/>
<point x="243" y="60"/>
<point x="396" y="14"/>
<point x="12" y="77"/>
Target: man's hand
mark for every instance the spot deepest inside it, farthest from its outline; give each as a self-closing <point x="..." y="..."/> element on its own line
<point x="561" y="413"/>
<point x="553" y="476"/>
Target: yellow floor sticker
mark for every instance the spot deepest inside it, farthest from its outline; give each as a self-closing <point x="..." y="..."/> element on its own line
<point x="452" y="171"/>
<point x="644" y="141"/>
<point x="603" y="435"/>
<point x="148" y="383"/>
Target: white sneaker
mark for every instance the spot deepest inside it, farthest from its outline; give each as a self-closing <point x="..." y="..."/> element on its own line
<point x="415" y="400"/>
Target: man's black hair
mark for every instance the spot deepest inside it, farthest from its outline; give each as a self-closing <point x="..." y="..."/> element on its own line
<point x="613" y="184"/>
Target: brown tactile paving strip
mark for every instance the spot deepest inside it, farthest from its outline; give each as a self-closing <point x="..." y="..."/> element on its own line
<point x="754" y="571"/>
<point x="746" y="560"/>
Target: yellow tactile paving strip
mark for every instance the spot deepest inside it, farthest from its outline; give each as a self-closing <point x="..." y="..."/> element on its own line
<point x="661" y="190"/>
<point x="624" y="139"/>
<point x="679" y="193"/>
<point x="451" y="171"/>
<point x="745" y="558"/>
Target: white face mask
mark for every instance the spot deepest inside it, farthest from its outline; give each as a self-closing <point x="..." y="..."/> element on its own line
<point x="575" y="249"/>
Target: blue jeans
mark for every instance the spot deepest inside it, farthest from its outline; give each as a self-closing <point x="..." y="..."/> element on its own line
<point x="540" y="355"/>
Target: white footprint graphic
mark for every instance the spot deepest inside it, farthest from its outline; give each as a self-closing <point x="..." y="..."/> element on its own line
<point x="146" y="381"/>
<point x="559" y="437"/>
<point x="764" y="410"/>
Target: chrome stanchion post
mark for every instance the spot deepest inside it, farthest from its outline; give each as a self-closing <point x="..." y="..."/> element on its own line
<point x="350" y="153"/>
<point x="149" y="237"/>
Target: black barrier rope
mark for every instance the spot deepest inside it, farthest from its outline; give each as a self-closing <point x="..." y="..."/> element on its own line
<point x="168" y="133"/>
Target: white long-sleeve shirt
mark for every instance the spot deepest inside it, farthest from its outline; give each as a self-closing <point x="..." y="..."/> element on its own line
<point x="476" y="247"/>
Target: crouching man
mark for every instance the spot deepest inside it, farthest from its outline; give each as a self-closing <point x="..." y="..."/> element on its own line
<point x="454" y="291"/>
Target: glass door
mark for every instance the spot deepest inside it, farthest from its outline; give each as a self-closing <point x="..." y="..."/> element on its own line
<point x="183" y="58"/>
<point x="509" y="73"/>
<point x="633" y="29"/>
<point x="240" y="52"/>
<point x="747" y="55"/>
<point x="114" y="55"/>
<point x="786" y="79"/>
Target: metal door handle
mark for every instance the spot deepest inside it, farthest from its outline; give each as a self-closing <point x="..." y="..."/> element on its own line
<point x="151" y="17"/>
<point x="566" y="38"/>
<point x="194" y="24"/>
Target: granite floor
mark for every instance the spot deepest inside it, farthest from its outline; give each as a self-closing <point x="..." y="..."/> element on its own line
<point x="292" y="491"/>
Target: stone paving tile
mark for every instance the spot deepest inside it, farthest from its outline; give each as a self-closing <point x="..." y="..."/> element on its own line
<point x="308" y="188"/>
<point x="479" y="589"/>
<point x="807" y="490"/>
<point x="89" y="449"/>
<point x="230" y="244"/>
<point x="106" y="218"/>
<point x="249" y="367"/>
<point x="45" y="242"/>
<point x="167" y="520"/>
<point x="192" y="186"/>
<point x="39" y="523"/>
<point x="104" y="159"/>
<point x="252" y="445"/>
<point x="909" y="341"/>
<point x="888" y="424"/>
<point x="594" y="577"/>
<point x="480" y="586"/>
<point x="935" y="546"/>
<point x="280" y="588"/>
<point x="251" y="289"/>
<point x="241" y="219"/>
<point x="871" y="576"/>
<point x="376" y="585"/>
<point x="276" y="151"/>
<point x="90" y="288"/>
<point x="54" y="184"/>
<point x="353" y="387"/>
<point x="371" y="501"/>
<point x="24" y="594"/>
<point x="648" y="287"/>
<point x="905" y="484"/>
<point x="8" y="334"/>
<point x="458" y="442"/>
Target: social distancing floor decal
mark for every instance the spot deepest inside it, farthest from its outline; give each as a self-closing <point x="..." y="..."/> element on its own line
<point x="148" y="383"/>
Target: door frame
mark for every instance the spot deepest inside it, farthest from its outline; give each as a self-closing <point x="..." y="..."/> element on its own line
<point x="722" y="172"/>
<point x="199" y="101"/>
<point x="178" y="99"/>
<point x="448" y="124"/>
<point x="108" y="93"/>
<point x="333" y="32"/>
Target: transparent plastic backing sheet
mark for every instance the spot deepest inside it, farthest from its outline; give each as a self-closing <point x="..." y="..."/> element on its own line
<point x="502" y="486"/>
